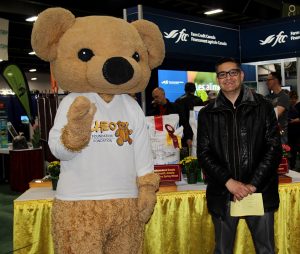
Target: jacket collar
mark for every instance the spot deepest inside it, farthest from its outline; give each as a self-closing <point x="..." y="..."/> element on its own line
<point x="247" y="98"/>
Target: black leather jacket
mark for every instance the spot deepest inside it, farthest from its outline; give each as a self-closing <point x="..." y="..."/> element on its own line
<point x="250" y="132"/>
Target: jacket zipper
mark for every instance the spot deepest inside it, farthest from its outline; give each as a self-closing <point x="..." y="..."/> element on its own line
<point x="237" y="145"/>
<point x="236" y="137"/>
<point x="233" y="143"/>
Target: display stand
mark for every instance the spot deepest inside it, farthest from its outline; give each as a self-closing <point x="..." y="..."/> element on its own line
<point x="25" y="165"/>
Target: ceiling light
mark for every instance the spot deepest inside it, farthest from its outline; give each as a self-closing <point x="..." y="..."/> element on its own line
<point x="32" y="70"/>
<point x="34" y="78"/>
<point x="213" y="11"/>
<point x="1" y="60"/>
<point x="32" y="19"/>
<point x="31" y="53"/>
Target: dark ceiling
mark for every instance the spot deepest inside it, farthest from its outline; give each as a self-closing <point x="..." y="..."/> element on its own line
<point x="239" y="12"/>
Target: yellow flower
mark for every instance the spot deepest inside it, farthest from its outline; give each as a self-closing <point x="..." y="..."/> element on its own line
<point x="190" y="163"/>
<point x="187" y="160"/>
<point x="54" y="169"/>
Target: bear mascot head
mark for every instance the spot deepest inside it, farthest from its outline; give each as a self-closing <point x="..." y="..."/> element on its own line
<point x="106" y="189"/>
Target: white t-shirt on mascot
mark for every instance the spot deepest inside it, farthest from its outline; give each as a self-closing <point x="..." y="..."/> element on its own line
<point x="103" y="169"/>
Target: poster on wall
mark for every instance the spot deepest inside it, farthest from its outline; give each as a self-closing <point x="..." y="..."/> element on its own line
<point x="3" y="124"/>
<point x="3" y="39"/>
<point x="173" y="82"/>
<point x="252" y="85"/>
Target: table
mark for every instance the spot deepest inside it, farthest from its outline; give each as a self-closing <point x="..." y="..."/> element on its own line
<point x="180" y="223"/>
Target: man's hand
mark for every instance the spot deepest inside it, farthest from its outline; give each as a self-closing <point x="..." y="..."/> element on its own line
<point x="280" y="110"/>
<point x="252" y="188"/>
<point x="239" y="189"/>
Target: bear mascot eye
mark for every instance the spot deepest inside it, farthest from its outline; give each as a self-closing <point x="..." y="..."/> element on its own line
<point x="85" y="54"/>
<point x="136" y="56"/>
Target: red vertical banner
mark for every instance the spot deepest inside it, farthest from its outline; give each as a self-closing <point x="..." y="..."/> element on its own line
<point x="158" y="122"/>
<point x="53" y="82"/>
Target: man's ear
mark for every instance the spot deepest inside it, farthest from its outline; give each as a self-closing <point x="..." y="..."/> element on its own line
<point x="48" y="29"/>
<point x="153" y="40"/>
<point x="242" y="76"/>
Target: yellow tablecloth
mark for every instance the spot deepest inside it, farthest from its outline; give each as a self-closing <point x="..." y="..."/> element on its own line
<point x="180" y="224"/>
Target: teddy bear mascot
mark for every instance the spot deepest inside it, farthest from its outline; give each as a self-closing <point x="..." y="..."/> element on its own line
<point x="106" y="190"/>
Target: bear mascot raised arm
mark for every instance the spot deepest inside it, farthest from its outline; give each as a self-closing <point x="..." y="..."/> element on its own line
<point x="106" y="189"/>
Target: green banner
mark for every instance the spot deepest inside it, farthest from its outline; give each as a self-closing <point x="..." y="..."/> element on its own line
<point x="17" y="81"/>
<point x="289" y="10"/>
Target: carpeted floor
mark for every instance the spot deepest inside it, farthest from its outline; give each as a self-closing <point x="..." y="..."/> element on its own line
<point x="6" y="218"/>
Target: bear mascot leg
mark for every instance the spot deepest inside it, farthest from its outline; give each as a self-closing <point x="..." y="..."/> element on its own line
<point x="97" y="227"/>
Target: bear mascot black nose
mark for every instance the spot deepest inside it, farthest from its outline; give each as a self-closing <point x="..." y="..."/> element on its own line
<point x="117" y="70"/>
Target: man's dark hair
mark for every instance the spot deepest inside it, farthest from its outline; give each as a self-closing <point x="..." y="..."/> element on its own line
<point x="226" y="60"/>
<point x="277" y="75"/>
<point x="189" y="87"/>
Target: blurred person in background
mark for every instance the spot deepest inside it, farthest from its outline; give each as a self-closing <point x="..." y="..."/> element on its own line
<point x="280" y="100"/>
<point x="294" y="128"/>
<point x="212" y="95"/>
<point x="162" y="106"/>
<point x="187" y="102"/>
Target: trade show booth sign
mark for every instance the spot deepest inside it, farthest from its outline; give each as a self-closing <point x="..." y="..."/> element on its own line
<point x="272" y="40"/>
<point x="189" y="36"/>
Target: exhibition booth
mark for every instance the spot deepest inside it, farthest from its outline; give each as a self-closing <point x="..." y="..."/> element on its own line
<point x="180" y="222"/>
<point x="193" y="45"/>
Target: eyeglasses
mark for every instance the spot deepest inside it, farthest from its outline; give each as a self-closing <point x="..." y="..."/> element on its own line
<point x="270" y="79"/>
<point x="232" y="73"/>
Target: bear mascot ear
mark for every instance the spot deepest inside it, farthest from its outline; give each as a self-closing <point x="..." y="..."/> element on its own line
<point x="48" y="29"/>
<point x="153" y="41"/>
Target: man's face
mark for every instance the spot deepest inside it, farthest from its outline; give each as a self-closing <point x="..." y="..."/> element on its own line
<point x="271" y="81"/>
<point x="229" y="77"/>
<point x="158" y="96"/>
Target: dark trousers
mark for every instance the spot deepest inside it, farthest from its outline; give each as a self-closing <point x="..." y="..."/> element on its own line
<point x="295" y="148"/>
<point x="261" y="228"/>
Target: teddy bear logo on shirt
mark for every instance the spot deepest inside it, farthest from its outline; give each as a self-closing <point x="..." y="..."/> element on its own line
<point x="123" y="133"/>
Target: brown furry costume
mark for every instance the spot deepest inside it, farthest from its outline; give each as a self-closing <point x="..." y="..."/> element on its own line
<point x="98" y="226"/>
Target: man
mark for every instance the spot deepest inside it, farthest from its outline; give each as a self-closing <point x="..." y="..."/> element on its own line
<point x="280" y="100"/>
<point x="294" y="128"/>
<point x="161" y="105"/>
<point x="187" y="102"/>
<point x="239" y="150"/>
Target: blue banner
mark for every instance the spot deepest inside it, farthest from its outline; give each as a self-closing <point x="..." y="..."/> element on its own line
<point x="172" y="82"/>
<point x="205" y="40"/>
<point x="272" y="40"/>
<point x="191" y="37"/>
